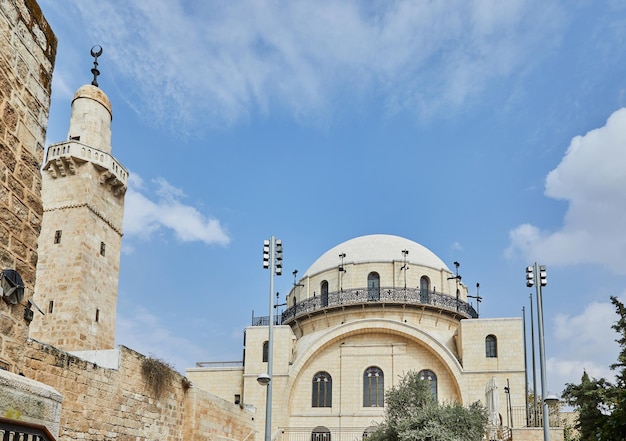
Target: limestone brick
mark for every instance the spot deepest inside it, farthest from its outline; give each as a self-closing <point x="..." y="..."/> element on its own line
<point x="83" y="200"/>
<point x="28" y="400"/>
<point x="102" y="403"/>
<point x="28" y="50"/>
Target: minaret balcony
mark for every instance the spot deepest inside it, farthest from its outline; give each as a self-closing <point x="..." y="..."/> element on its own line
<point x="63" y="158"/>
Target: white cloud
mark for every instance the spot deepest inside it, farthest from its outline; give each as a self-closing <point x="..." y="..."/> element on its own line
<point x="140" y="330"/>
<point x="584" y="342"/>
<point x="591" y="178"/>
<point x="207" y="63"/>
<point x="143" y="216"/>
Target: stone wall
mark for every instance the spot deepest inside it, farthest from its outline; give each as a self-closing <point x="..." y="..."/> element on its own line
<point x="102" y="403"/>
<point x="31" y="401"/>
<point x="27" y="54"/>
<point x="536" y="434"/>
<point x="208" y="417"/>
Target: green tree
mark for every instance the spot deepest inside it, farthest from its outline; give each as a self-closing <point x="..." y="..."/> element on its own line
<point x="601" y="404"/>
<point x="589" y="398"/>
<point x="411" y="414"/>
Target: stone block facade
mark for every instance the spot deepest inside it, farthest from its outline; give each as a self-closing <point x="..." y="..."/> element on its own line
<point x="27" y="55"/>
<point x="121" y="402"/>
<point x="536" y="434"/>
<point x="31" y="401"/>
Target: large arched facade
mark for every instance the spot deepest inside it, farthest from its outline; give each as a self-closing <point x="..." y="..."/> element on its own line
<point x="348" y="351"/>
<point x="354" y="324"/>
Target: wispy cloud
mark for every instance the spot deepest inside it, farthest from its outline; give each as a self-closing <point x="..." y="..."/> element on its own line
<point x="591" y="179"/>
<point x="140" y="330"/>
<point x="218" y="63"/>
<point x="584" y="342"/>
<point x="456" y="246"/>
<point x="144" y="216"/>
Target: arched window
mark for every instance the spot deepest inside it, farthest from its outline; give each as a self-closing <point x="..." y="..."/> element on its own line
<point x="324" y="290"/>
<point x="373" y="387"/>
<point x="373" y="286"/>
<point x="320" y="433"/>
<point x="265" y="350"/>
<point x="322" y="390"/>
<point x="430" y="376"/>
<point x="424" y="289"/>
<point x="491" y="346"/>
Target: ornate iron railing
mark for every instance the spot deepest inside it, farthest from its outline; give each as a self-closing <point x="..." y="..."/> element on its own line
<point x="369" y="296"/>
<point x="21" y="430"/>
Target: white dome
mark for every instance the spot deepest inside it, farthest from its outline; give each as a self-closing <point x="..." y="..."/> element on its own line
<point x="376" y="248"/>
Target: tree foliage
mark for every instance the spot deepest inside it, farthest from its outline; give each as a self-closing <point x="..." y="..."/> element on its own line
<point x="411" y="414"/>
<point x="601" y="404"/>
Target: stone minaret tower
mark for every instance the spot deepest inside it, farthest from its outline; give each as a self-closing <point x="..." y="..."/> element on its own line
<point x="83" y="189"/>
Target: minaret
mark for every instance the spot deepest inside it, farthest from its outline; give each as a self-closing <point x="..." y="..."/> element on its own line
<point x="83" y="189"/>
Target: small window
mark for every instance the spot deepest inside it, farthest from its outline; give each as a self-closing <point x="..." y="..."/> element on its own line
<point x="265" y="351"/>
<point x="57" y="236"/>
<point x="322" y="390"/>
<point x="430" y="376"/>
<point x="237" y="398"/>
<point x="424" y="289"/>
<point x="373" y="387"/>
<point x="50" y="306"/>
<point x="491" y="346"/>
<point x="324" y="291"/>
<point x="103" y="248"/>
<point x="97" y="315"/>
<point x="373" y="286"/>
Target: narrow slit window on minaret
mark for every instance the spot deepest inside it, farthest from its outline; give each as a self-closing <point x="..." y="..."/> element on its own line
<point x="103" y="248"/>
<point x="57" y="236"/>
<point x="50" y="306"/>
<point x="97" y="315"/>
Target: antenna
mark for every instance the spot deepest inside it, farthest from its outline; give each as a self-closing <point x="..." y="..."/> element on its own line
<point x="458" y="279"/>
<point x="96" y="51"/>
<point x="477" y="297"/>
<point x="457" y="276"/>
<point x="404" y="267"/>
<point x="341" y="271"/>
<point x="278" y="304"/>
<point x="295" y="273"/>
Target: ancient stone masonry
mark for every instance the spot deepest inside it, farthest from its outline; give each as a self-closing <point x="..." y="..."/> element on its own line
<point x="27" y="54"/>
<point x="83" y="190"/>
<point x="65" y="228"/>
<point x="119" y="401"/>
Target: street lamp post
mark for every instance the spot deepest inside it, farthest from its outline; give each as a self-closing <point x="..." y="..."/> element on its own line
<point x="272" y="260"/>
<point x="536" y="275"/>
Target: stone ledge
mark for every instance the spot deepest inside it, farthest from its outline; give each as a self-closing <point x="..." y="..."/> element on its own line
<point x="31" y="401"/>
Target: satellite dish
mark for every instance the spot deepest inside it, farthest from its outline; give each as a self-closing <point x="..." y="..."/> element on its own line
<point x="11" y="286"/>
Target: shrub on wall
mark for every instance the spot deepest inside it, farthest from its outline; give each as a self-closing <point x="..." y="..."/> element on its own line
<point x="158" y="375"/>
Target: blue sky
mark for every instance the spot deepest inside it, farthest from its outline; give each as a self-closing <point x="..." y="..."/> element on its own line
<point x="493" y="133"/>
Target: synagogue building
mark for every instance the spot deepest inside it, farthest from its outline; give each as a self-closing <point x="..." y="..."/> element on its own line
<point x="364" y="314"/>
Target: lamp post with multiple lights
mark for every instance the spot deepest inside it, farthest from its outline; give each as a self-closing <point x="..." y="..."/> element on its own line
<point x="536" y="276"/>
<point x="272" y="260"/>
